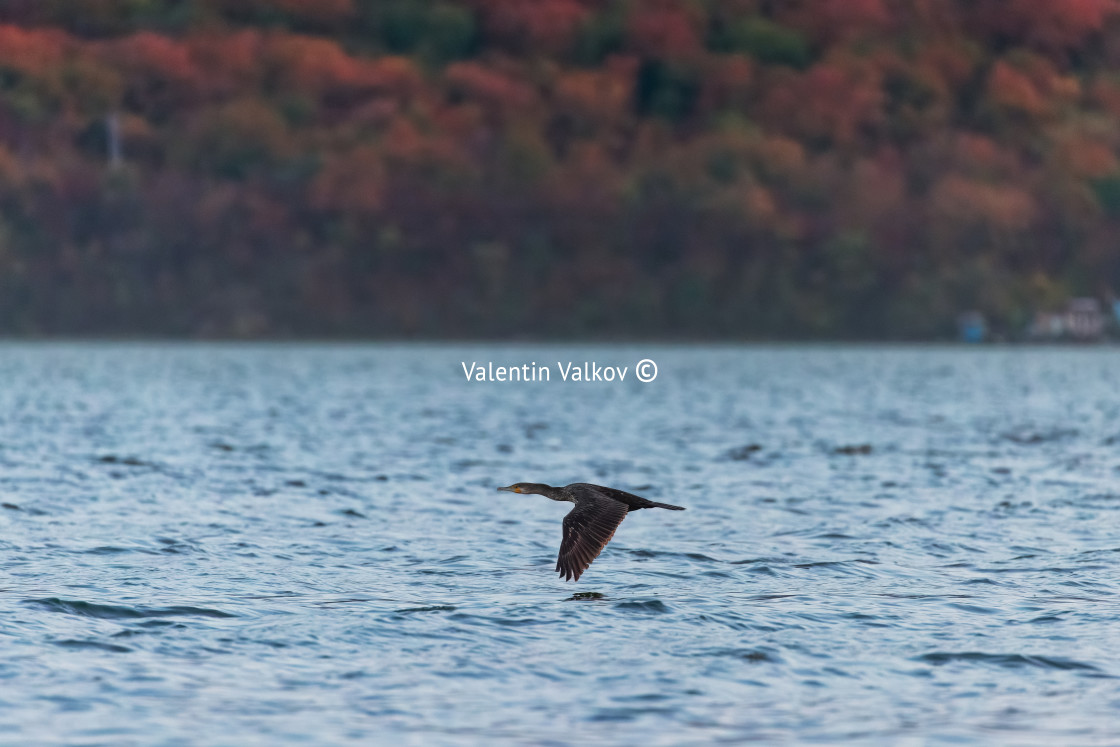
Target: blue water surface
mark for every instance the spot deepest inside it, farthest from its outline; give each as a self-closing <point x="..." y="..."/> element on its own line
<point x="282" y="544"/>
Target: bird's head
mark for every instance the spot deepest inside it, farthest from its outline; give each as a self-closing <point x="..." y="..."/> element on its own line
<point x="527" y="487"/>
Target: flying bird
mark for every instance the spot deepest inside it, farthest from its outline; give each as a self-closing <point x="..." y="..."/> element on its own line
<point x="590" y="525"/>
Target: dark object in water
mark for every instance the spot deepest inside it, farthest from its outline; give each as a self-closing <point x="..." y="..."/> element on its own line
<point x="855" y="450"/>
<point x="590" y="525"/>
<point x="743" y="453"/>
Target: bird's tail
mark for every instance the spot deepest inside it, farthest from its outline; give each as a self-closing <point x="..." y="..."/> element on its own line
<point x="655" y="504"/>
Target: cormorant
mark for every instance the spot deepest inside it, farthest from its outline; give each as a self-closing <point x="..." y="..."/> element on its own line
<point x="590" y="525"/>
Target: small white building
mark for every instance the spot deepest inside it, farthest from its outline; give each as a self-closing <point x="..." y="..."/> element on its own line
<point x="1084" y="319"/>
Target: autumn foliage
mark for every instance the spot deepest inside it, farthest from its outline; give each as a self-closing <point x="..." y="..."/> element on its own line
<point x="716" y="168"/>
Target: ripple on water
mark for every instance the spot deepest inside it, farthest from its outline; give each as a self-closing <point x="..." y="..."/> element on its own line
<point x="750" y="655"/>
<point x="433" y="608"/>
<point x="112" y="648"/>
<point x="120" y="612"/>
<point x="1009" y="661"/>
<point x="647" y="606"/>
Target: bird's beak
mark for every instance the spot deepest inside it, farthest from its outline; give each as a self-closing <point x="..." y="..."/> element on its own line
<point x="510" y="489"/>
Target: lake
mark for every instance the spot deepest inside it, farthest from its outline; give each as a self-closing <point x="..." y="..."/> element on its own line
<point x="230" y="544"/>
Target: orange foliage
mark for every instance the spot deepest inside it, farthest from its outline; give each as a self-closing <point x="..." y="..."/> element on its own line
<point x="833" y="102"/>
<point x="228" y="62"/>
<point x="980" y="156"/>
<point x="159" y="72"/>
<point x="1011" y="89"/>
<point x="780" y="158"/>
<point x="312" y="66"/>
<point x="1085" y="158"/>
<point x="152" y="55"/>
<point x="404" y="146"/>
<point x="31" y="50"/>
<point x="962" y="202"/>
<point x="585" y="133"/>
<point x="593" y="96"/>
<point x="396" y="76"/>
<point x="473" y="81"/>
<point x="1064" y="24"/>
<point x="760" y="206"/>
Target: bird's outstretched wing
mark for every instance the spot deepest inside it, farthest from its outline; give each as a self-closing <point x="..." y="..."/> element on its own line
<point x="587" y="529"/>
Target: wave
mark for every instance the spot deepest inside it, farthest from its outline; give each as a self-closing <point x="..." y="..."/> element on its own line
<point x="1010" y="661"/>
<point x="120" y="612"/>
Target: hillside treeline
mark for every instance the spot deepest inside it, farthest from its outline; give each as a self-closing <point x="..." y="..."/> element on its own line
<point x="449" y="168"/>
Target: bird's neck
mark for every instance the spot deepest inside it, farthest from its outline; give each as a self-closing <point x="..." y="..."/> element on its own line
<point x="556" y="494"/>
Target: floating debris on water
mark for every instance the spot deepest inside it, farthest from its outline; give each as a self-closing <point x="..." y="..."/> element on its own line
<point x="853" y="450"/>
<point x="127" y="461"/>
<point x="743" y="453"/>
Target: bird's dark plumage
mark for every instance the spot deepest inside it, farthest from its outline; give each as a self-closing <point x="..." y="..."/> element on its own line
<point x="590" y="525"/>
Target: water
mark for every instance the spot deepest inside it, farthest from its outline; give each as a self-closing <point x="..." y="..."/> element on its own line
<point x="284" y="544"/>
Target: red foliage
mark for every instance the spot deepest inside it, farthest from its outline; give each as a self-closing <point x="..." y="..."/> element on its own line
<point x="877" y="189"/>
<point x="150" y="54"/>
<point x="727" y="83"/>
<point x="666" y="32"/>
<point x="593" y="97"/>
<point x="780" y="159"/>
<point x="159" y="73"/>
<point x="546" y="26"/>
<point x="32" y="50"/>
<point x="228" y="62"/>
<point x="1013" y="90"/>
<point x="960" y="202"/>
<point x="829" y="21"/>
<point x="982" y="157"/>
<point x="1043" y="23"/>
<point x="951" y="62"/>
<point x="396" y="76"/>
<point x="857" y="120"/>
<point x="833" y="102"/>
<point x="1083" y="157"/>
<point x="316" y="67"/>
<point x="473" y="81"/>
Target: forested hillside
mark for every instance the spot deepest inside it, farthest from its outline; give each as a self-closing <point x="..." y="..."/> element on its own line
<point x="450" y="168"/>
